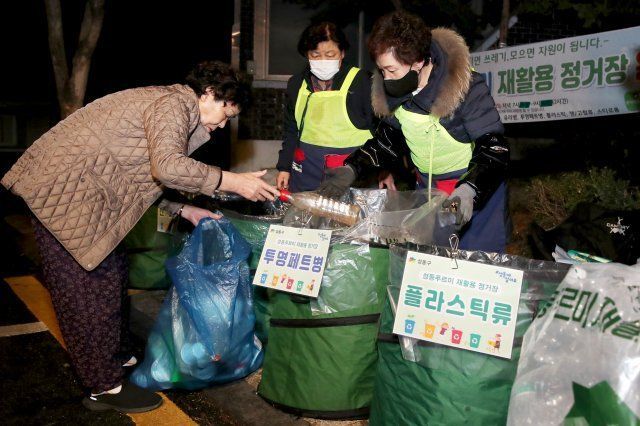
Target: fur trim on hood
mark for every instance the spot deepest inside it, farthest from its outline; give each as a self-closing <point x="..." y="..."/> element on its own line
<point x="452" y="82"/>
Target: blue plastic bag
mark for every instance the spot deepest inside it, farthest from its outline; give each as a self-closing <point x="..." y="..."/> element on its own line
<point x="204" y="333"/>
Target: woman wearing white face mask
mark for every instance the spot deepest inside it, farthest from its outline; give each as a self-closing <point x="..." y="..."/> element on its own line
<point x="328" y="110"/>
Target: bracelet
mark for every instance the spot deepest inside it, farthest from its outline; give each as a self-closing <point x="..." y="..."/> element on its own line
<point x="179" y="214"/>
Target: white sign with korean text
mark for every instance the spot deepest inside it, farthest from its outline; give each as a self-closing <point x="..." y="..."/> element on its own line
<point x="462" y="304"/>
<point x="576" y="77"/>
<point x="293" y="260"/>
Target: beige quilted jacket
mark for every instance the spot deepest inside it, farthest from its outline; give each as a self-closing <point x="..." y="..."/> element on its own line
<point x="92" y="176"/>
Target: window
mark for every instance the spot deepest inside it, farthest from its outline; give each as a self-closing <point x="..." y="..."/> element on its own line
<point x="8" y="131"/>
<point x="278" y="25"/>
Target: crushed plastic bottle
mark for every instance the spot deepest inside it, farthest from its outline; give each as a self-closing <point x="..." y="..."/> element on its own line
<point x="195" y="354"/>
<point x="224" y="196"/>
<point x="447" y="216"/>
<point x="318" y="205"/>
<point x="161" y="370"/>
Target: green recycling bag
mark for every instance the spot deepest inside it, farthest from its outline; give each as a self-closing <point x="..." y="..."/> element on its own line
<point x="321" y="357"/>
<point x="450" y="386"/>
<point x="147" y="250"/>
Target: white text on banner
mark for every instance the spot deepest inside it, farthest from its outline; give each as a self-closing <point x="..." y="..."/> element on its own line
<point x="577" y="77"/>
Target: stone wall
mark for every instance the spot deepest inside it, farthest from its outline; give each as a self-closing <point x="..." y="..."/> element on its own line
<point x="265" y="118"/>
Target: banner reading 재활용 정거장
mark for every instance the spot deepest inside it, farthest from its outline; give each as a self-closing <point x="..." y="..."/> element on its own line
<point x="577" y="77"/>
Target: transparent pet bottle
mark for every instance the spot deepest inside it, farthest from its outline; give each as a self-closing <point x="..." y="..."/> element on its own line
<point x="318" y="205"/>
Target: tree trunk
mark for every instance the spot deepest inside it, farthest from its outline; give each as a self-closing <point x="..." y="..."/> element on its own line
<point x="71" y="87"/>
<point x="504" y="24"/>
<point x="397" y="4"/>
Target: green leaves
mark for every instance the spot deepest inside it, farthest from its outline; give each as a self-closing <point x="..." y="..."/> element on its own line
<point x="555" y="196"/>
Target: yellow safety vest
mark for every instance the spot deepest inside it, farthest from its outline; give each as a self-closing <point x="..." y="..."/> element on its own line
<point x="326" y="120"/>
<point x="433" y="150"/>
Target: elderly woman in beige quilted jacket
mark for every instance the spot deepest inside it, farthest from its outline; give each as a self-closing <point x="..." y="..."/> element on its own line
<point x="89" y="180"/>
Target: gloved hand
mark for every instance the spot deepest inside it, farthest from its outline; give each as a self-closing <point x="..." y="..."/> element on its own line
<point x="336" y="182"/>
<point x="460" y="202"/>
<point x="488" y="167"/>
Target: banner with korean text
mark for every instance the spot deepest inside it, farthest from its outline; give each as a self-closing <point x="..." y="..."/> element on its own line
<point x="293" y="260"/>
<point x="577" y="77"/>
<point x="458" y="303"/>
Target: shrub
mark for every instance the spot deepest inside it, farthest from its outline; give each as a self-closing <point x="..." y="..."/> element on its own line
<point x="556" y="196"/>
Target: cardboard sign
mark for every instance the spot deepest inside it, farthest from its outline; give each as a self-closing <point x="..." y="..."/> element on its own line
<point x="462" y="304"/>
<point x="293" y="260"/>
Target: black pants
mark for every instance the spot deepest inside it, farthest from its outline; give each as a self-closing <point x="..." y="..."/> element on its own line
<point x="91" y="310"/>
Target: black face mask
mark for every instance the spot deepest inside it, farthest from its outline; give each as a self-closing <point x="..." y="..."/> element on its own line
<point x="402" y="86"/>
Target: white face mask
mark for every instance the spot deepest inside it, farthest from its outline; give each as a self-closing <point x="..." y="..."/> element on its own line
<point x="324" y="69"/>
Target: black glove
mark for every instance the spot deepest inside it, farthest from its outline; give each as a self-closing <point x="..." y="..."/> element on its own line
<point x="336" y="182"/>
<point x="488" y="167"/>
<point x="383" y="151"/>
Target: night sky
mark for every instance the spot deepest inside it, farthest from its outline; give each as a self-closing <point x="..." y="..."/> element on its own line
<point x="142" y="43"/>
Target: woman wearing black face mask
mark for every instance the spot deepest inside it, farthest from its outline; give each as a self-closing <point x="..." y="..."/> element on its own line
<point x="448" y="121"/>
<point x="328" y="110"/>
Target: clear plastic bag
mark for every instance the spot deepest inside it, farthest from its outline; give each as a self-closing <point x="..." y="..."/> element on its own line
<point x="403" y="216"/>
<point x="389" y="217"/>
<point x="386" y="217"/>
<point x="204" y="333"/>
<point x="580" y="362"/>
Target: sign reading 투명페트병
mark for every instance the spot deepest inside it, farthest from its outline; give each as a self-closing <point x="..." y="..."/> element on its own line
<point x="293" y="260"/>
<point x="463" y="304"/>
<point x="577" y="77"/>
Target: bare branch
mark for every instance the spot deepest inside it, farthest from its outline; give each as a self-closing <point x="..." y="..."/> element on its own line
<point x="504" y="24"/>
<point x="56" y="46"/>
<point x="397" y="4"/>
<point x="89" y="34"/>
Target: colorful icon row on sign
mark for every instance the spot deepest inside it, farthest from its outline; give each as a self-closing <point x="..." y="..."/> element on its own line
<point x="456" y="334"/>
<point x="287" y="282"/>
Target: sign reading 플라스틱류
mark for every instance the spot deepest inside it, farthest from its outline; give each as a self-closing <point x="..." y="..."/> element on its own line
<point x="462" y="304"/>
<point x="577" y="77"/>
<point x="293" y="260"/>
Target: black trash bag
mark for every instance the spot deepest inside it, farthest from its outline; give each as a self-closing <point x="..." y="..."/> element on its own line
<point x="612" y="234"/>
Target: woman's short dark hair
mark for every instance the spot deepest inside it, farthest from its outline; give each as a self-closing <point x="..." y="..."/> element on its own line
<point x="315" y="34"/>
<point x="405" y="34"/>
<point x="225" y="83"/>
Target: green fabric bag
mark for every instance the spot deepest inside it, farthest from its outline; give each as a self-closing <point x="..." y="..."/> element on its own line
<point x="254" y="231"/>
<point x="459" y="387"/>
<point x="147" y="250"/>
<point x="323" y="365"/>
<point x="321" y="354"/>
<point x="450" y="386"/>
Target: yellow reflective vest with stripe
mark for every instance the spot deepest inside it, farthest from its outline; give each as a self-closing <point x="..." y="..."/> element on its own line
<point x="433" y="150"/>
<point x="323" y="120"/>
